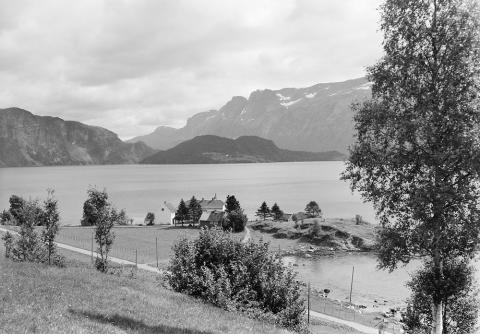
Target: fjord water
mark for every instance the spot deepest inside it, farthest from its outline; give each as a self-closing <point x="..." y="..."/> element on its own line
<point x="143" y="188"/>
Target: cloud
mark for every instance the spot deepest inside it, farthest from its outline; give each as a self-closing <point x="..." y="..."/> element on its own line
<point x="132" y="65"/>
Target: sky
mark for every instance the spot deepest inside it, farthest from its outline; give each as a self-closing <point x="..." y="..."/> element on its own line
<point x="133" y="65"/>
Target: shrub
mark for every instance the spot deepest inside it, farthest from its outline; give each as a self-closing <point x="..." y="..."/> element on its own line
<point x="120" y="217"/>
<point x="16" y="206"/>
<point x="150" y="218"/>
<point x="6" y="218"/>
<point x="234" y="275"/>
<point x="316" y="228"/>
<point x="104" y="237"/>
<point x="235" y="221"/>
<point x="94" y="206"/>
<point x="29" y="246"/>
<point x="50" y="218"/>
<point x="8" y="241"/>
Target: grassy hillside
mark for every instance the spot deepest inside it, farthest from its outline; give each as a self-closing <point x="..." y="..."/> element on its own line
<point x="77" y="299"/>
<point x="332" y="234"/>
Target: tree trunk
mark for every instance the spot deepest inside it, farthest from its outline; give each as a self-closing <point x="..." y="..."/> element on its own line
<point x="437" y="316"/>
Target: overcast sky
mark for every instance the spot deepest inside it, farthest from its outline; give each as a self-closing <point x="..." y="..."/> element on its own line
<point x="131" y="66"/>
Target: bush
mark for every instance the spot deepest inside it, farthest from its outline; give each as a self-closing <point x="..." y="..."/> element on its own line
<point x="237" y="276"/>
<point x="29" y="246"/>
<point x="150" y="218"/>
<point x="316" y="228"/>
<point x="8" y="241"/>
<point x="6" y="218"/>
<point x="235" y="221"/>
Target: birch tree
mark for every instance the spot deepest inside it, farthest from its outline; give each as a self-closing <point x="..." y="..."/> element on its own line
<point x="417" y="150"/>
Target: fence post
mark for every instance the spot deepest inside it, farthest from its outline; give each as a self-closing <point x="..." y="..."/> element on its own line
<point x="308" y="303"/>
<point x="156" y="249"/>
<point x="136" y="262"/>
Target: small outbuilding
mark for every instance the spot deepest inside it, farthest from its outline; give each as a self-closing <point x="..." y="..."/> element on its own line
<point x="212" y="218"/>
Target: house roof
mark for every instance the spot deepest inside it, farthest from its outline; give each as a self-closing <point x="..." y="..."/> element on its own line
<point x="209" y="204"/>
<point x="212" y="216"/>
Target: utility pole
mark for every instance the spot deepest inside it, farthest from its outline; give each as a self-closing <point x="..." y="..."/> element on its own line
<point x="351" y="285"/>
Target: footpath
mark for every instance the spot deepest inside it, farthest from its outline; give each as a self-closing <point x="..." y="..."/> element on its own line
<point x="146" y="267"/>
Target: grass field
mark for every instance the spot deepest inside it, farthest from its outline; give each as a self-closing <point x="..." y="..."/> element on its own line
<point x="78" y="299"/>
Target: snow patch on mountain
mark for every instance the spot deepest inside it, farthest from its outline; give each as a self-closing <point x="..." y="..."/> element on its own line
<point x="283" y="98"/>
<point x="310" y="95"/>
<point x="288" y="104"/>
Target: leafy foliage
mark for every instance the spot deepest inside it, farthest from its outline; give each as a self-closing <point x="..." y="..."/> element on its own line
<point x="276" y="212"/>
<point x="313" y="210"/>
<point x="16" y="206"/>
<point x="194" y="210"/>
<point x="263" y="211"/>
<point x="235" y="275"/>
<point x="94" y="206"/>
<point x="416" y="156"/>
<point x="459" y="295"/>
<point x="231" y="204"/>
<point x="182" y="212"/>
<point x="29" y="246"/>
<point x="236" y="221"/>
<point x="8" y="242"/>
<point x="150" y="218"/>
<point x="104" y="237"/>
<point x="50" y="220"/>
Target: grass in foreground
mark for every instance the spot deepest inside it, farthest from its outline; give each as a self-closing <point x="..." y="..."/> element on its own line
<point x="77" y="299"/>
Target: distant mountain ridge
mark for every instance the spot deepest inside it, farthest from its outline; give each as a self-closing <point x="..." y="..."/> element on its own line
<point x="316" y="118"/>
<point x="209" y="149"/>
<point x="30" y="140"/>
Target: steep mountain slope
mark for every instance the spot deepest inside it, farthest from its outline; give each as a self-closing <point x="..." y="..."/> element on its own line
<point x="316" y="118"/>
<point x="30" y="140"/>
<point x="213" y="149"/>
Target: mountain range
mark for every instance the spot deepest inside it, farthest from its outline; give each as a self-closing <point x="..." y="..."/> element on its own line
<point x="210" y="149"/>
<point x="30" y="140"/>
<point x="316" y="118"/>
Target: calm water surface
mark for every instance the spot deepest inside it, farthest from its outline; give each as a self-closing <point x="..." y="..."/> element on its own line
<point x="141" y="188"/>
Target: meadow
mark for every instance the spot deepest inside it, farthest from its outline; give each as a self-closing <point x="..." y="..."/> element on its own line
<point x="78" y="299"/>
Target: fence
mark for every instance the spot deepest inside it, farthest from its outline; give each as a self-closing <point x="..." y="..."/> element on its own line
<point x="348" y="312"/>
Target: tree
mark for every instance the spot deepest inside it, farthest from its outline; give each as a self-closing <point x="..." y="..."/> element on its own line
<point x="232" y="204"/>
<point x="313" y="210"/>
<point x="263" y="211"/>
<point x="104" y="236"/>
<point x="150" y="218"/>
<point x="50" y="218"/>
<point x="235" y="221"/>
<point x="194" y="210"/>
<point x="416" y="156"/>
<point x="27" y="246"/>
<point x="276" y="212"/>
<point x="16" y="205"/>
<point x="182" y="212"/>
<point x="94" y="206"/>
